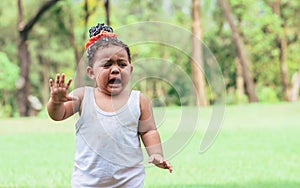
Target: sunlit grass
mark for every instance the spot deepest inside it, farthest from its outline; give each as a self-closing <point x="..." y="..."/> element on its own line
<point x="258" y="146"/>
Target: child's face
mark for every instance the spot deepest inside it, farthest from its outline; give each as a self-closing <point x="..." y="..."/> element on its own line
<point x="111" y="69"/>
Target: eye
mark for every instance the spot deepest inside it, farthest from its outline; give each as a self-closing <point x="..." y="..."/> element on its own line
<point x="107" y="65"/>
<point x="122" y="63"/>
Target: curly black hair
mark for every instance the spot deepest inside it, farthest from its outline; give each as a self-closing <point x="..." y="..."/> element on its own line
<point x="104" y="42"/>
<point x="95" y="30"/>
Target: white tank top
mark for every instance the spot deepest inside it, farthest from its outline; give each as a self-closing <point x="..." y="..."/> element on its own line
<point x="108" y="152"/>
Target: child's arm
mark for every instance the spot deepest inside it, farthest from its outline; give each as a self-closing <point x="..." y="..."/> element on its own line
<point x="150" y="135"/>
<point x="61" y="105"/>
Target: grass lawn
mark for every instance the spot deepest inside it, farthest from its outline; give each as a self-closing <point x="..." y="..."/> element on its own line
<point x="257" y="147"/>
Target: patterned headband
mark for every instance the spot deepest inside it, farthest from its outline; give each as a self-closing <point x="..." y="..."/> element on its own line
<point x="102" y="34"/>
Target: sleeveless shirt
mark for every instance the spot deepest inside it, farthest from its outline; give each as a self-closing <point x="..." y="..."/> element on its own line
<point x="108" y="151"/>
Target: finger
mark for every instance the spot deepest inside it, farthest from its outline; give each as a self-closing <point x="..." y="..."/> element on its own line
<point x="68" y="83"/>
<point x="62" y="81"/>
<point x="167" y="165"/>
<point x="57" y="80"/>
<point x="51" y="83"/>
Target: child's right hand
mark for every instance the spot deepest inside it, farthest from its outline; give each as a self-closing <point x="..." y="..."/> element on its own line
<point x="59" y="90"/>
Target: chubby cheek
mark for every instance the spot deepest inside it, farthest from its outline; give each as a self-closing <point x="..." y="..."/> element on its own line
<point x="127" y="73"/>
<point x="126" y="78"/>
<point x="101" y="78"/>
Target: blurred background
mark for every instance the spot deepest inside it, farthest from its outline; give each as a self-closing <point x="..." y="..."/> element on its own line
<point x="242" y="54"/>
<point x="255" y="42"/>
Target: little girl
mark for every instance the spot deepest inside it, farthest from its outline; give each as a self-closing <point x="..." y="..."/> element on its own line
<point x="112" y="120"/>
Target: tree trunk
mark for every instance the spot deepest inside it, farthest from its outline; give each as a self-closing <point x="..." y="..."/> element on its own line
<point x="282" y="45"/>
<point x="250" y="88"/>
<point x="283" y="67"/>
<point x="197" y="56"/>
<point x="23" y="83"/>
<point x="295" y="86"/>
<point x="160" y="93"/>
<point x="107" y="11"/>
<point x="239" y="79"/>
<point x="44" y="75"/>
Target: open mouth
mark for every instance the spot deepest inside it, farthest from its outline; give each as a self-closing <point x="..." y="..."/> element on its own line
<point x="114" y="81"/>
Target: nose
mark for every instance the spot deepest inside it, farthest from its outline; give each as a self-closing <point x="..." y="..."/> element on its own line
<point x="115" y="69"/>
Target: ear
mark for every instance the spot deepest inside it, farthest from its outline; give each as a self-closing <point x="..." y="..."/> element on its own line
<point x="131" y="69"/>
<point x="90" y="72"/>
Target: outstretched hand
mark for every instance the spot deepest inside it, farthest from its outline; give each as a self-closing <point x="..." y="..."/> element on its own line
<point x="158" y="160"/>
<point x="59" y="90"/>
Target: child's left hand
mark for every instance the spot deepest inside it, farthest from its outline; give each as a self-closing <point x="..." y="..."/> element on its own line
<point x="159" y="161"/>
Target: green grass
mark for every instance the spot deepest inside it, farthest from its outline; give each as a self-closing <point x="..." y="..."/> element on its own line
<point x="258" y="146"/>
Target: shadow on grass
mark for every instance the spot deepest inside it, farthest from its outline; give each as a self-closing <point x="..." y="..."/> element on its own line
<point x="279" y="184"/>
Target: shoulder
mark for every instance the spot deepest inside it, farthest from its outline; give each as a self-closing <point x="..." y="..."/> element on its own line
<point x="144" y="100"/>
<point x="78" y="92"/>
<point x="145" y="106"/>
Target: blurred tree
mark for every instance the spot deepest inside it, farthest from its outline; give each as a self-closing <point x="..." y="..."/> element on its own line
<point x="8" y="76"/>
<point x="23" y="84"/>
<point x="107" y="11"/>
<point x="51" y="48"/>
<point x="285" y="11"/>
<point x="250" y="87"/>
<point x="295" y="86"/>
<point x="197" y="56"/>
<point x="58" y="38"/>
<point x="282" y="45"/>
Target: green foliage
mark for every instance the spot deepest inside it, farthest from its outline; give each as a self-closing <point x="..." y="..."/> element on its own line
<point x="9" y="73"/>
<point x="267" y="95"/>
<point x="8" y="77"/>
<point x="8" y="25"/>
<point x="51" y="45"/>
<point x="234" y="97"/>
<point x="259" y="27"/>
